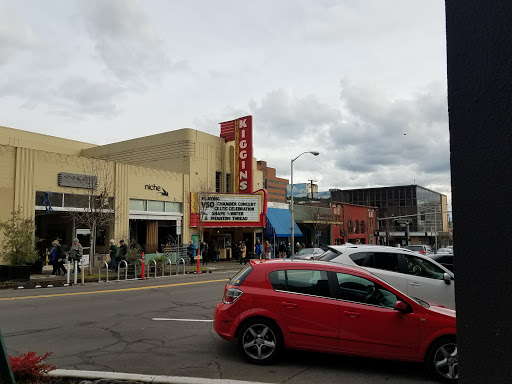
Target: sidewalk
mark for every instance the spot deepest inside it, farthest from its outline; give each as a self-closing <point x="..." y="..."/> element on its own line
<point x="46" y="279"/>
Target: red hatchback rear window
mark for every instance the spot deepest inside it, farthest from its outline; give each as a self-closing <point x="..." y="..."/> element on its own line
<point x="239" y="278"/>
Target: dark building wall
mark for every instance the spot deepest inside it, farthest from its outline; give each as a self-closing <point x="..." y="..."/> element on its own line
<point x="479" y="52"/>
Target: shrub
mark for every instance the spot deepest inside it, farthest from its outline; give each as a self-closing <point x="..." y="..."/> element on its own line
<point x="18" y="243"/>
<point x="29" y="368"/>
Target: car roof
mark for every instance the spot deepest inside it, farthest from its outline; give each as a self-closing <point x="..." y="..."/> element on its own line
<point x="382" y="248"/>
<point x="255" y="263"/>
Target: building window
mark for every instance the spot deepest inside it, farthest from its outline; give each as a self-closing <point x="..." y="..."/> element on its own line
<point x="217" y="181"/>
<point x="156" y="206"/>
<point x="265" y="184"/>
<point x="228" y="180"/>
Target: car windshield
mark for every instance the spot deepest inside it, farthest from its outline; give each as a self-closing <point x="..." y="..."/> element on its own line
<point x="239" y="278"/>
<point x="329" y="255"/>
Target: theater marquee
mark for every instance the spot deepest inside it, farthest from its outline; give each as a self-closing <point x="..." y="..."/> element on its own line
<point x="228" y="210"/>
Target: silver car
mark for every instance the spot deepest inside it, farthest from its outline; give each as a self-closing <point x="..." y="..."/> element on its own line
<point x="309" y="253"/>
<point x="411" y="272"/>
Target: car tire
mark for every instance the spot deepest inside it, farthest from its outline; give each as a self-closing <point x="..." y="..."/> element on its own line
<point x="260" y="341"/>
<point x="441" y="360"/>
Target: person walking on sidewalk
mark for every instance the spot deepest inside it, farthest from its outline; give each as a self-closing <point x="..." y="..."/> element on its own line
<point x="113" y="255"/>
<point x="204" y="252"/>
<point x="121" y="252"/>
<point x="282" y="250"/>
<point x="258" y="250"/>
<point x="75" y="253"/>
<point x="288" y="250"/>
<point x="58" y="263"/>
<point x="191" y="251"/>
<point x="267" y="250"/>
<point x="243" y="253"/>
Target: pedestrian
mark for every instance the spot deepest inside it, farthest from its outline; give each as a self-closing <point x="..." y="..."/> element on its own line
<point x="216" y="252"/>
<point x="191" y="251"/>
<point x="282" y="250"/>
<point x="298" y="247"/>
<point x="267" y="250"/>
<point x="121" y="252"/>
<point x="289" y="250"/>
<point x="204" y="252"/>
<point x="258" y="250"/>
<point x="113" y="255"/>
<point x="243" y="253"/>
<point x="59" y="256"/>
<point x="75" y="253"/>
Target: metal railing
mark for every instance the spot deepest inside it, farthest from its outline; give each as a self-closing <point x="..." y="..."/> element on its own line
<point x="125" y="269"/>
<point x="149" y="267"/>
<point x="178" y="266"/>
<point x="99" y="271"/>
<point x="170" y="267"/>
<point x="135" y="268"/>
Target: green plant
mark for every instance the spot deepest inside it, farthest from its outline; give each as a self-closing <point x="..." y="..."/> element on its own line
<point x="29" y="368"/>
<point x="18" y="239"/>
<point x="134" y="252"/>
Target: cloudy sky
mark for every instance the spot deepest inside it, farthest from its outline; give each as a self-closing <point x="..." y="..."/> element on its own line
<point x="362" y="82"/>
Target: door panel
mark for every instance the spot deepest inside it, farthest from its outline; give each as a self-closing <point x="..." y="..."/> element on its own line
<point x="303" y="303"/>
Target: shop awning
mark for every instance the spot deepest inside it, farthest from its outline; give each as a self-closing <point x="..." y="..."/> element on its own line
<point x="278" y="220"/>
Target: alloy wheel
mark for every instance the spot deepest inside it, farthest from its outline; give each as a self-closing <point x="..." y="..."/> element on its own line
<point x="259" y="342"/>
<point x="445" y="361"/>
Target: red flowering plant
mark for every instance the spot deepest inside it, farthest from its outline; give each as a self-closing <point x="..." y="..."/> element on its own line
<point x="29" y="368"/>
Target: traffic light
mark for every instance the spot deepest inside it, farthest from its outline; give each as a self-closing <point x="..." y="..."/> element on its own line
<point x="422" y="216"/>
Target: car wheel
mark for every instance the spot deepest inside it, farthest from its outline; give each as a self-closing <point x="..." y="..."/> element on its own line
<point x="260" y="341"/>
<point x="441" y="360"/>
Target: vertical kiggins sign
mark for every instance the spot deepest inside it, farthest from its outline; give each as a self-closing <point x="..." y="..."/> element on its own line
<point x="243" y="144"/>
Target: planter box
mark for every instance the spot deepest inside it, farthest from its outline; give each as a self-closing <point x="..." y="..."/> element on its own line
<point x="14" y="272"/>
<point x="36" y="268"/>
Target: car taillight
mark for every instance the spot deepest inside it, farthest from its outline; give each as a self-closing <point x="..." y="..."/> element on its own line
<point x="231" y="295"/>
<point x="423" y="252"/>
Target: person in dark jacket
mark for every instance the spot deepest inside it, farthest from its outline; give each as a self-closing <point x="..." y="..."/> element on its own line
<point x="75" y="253"/>
<point x="59" y="258"/>
<point x="258" y="250"/>
<point x="122" y="251"/>
<point x="204" y="252"/>
<point x="282" y="250"/>
<point x="191" y="251"/>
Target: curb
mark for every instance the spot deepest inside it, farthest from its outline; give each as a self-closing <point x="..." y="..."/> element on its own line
<point x="142" y="378"/>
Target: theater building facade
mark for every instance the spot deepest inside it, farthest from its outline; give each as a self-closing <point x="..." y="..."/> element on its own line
<point x="146" y="185"/>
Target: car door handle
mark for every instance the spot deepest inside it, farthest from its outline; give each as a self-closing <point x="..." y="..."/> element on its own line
<point x="288" y="305"/>
<point x="351" y="314"/>
<point x="415" y="284"/>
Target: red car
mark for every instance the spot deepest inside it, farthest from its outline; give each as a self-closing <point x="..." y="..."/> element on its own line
<point x="320" y="306"/>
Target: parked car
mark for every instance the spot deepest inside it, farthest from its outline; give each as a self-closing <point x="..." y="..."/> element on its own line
<point x="421" y="248"/>
<point x="308" y="253"/>
<point x="445" y="250"/>
<point x="320" y="306"/>
<point x="443" y="258"/>
<point x="411" y="272"/>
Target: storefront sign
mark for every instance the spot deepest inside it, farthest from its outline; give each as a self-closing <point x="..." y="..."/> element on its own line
<point x="153" y="187"/>
<point x="77" y="181"/>
<point x="243" y="143"/>
<point x="228" y="210"/>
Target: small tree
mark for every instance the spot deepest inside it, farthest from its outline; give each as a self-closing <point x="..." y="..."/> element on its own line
<point x="18" y="240"/>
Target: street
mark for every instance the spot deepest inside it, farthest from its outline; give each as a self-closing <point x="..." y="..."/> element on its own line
<point x="134" y="327"/>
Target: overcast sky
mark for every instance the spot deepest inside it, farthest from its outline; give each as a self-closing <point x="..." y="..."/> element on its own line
<point x="362" y="82"/>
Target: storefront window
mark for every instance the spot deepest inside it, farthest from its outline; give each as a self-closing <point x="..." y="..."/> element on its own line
<point x="172" y="207"/>
<point x="137" y="205"/>
<point x="156" y="206"/>
<point x="76" y="201"/>
<point x="48" y="199"/>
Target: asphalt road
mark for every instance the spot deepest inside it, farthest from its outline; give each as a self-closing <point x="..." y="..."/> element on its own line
<point x="111" y="327"/>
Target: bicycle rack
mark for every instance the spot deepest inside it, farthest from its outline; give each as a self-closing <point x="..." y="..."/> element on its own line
<point x="99" y="271"/>
<point x="178" y="266"/>
<point x="149" y="267"/>
<point x="135" y="268"/>
<point x="125" y="269"/>
<point x="170" y="267"/>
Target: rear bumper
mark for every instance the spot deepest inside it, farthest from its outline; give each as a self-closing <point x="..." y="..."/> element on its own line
<point x="223" y="322"/>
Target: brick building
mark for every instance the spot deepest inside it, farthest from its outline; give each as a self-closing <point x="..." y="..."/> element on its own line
<point x="275" y="186"/>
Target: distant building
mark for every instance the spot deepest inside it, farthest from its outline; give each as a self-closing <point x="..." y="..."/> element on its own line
<point x="403" y="212"/>
<point x="275" y="186"/>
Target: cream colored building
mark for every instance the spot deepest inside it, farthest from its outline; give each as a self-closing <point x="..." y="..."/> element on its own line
<point x="149" y="181"/>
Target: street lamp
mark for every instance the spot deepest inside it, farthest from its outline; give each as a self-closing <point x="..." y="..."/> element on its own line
<point x="291" y="201"/>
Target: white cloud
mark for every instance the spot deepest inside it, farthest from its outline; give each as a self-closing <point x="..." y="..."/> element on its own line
<point x="15" y="35"/>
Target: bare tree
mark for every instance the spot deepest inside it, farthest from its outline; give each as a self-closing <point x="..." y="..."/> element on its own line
<point x="95" y="203"/>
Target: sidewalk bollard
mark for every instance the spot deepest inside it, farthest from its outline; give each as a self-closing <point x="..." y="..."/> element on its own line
<point x="99" y="271"/>
<point x="143" y="265"/>
<point x="198" y="257"/>
<point x="83" y="274"/>
<point x="68" y="271"/>
<point x="75" y="273"/>
<point x="170" y="267"/>
<point x="125" y="269"/>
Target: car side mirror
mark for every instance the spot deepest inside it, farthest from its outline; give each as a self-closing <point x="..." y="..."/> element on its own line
<point x="401" y="307"/>
<point x="447" y="278"/>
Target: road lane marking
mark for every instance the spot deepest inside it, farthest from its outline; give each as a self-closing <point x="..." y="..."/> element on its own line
<point x="110" y="290"/>
<point x="163" y="319"/>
